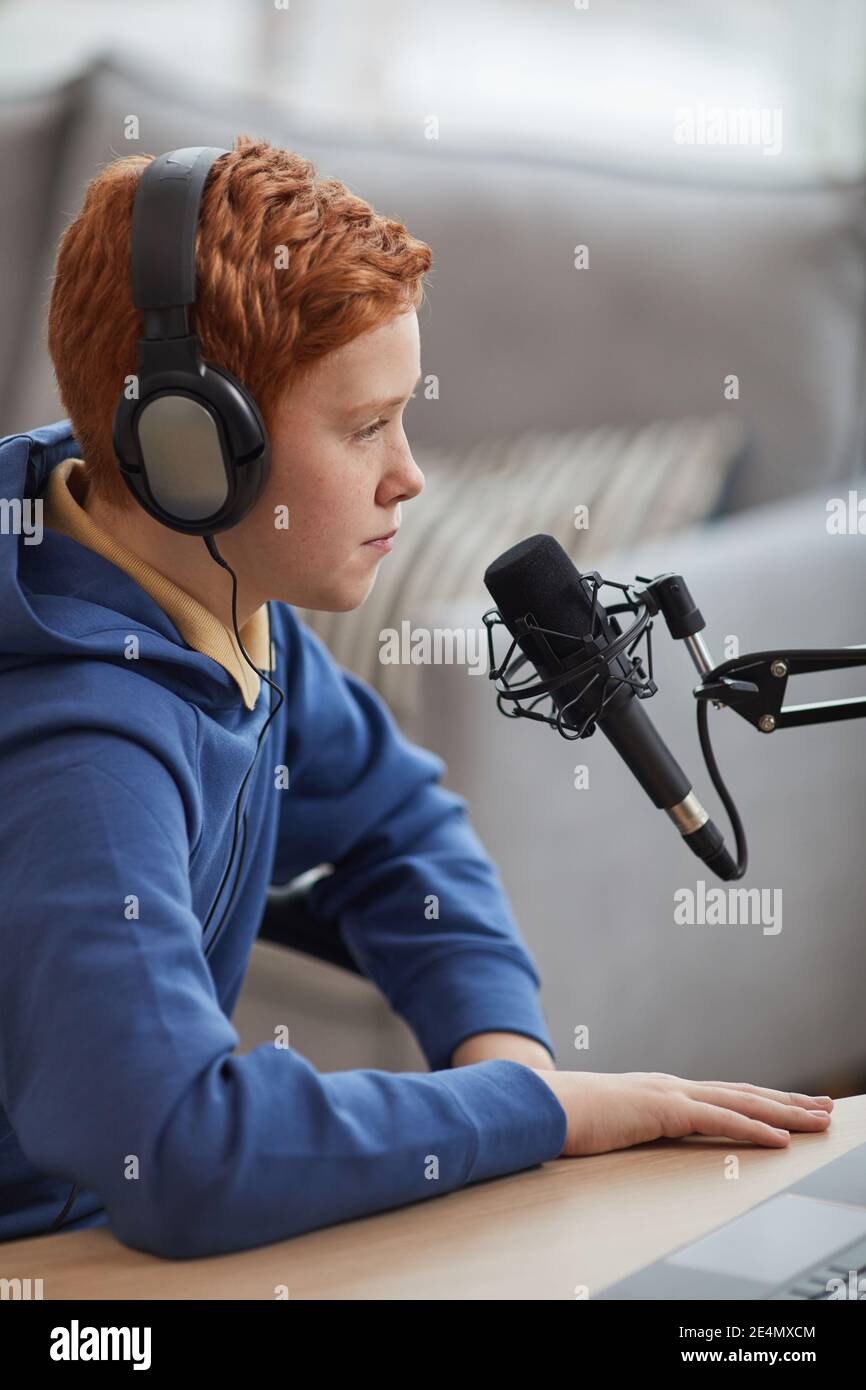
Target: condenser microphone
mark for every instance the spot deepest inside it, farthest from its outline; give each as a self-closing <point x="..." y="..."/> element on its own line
<point x="559" y="625"/>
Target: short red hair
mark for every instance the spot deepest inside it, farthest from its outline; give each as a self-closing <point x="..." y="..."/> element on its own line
<point x="349" y="270"/>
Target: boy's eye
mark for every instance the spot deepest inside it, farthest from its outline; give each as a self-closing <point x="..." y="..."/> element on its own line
<point x="369" y="431"/>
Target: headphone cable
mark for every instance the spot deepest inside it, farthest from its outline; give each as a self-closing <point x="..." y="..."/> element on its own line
<point x="223" y="563"/>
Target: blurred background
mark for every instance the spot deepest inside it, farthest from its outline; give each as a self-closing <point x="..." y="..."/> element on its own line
<point x="648" y="299"/>
<point x="600" y="77"/>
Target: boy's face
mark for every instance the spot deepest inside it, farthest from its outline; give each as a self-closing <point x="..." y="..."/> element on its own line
<point x="341" y="464"/>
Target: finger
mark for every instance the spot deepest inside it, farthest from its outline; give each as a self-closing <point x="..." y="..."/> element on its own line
<point x="786" y="1097"/>
<point x="773" y="1112"/>
<point x="714" y="1120"/>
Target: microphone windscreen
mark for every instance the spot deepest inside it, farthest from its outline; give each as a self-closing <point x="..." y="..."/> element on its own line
<point x="537" y="576"/>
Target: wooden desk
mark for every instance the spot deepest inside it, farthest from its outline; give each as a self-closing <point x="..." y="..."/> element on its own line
<point x="533" y="1235"/>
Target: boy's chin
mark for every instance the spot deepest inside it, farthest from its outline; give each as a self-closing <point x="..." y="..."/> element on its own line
<point x="343" y="600"/>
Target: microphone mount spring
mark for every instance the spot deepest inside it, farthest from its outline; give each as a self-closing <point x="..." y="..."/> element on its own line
<point x="518" y="699"/>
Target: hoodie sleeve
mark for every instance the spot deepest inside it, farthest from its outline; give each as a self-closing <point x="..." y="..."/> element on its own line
<point x="419" y="903"/>
<point x="118" y="1068"/>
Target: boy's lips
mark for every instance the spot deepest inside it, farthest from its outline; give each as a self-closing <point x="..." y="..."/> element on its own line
<point x="384" y="542"/>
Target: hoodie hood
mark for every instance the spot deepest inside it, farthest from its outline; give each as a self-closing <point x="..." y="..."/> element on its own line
<point x="61" y="599"/>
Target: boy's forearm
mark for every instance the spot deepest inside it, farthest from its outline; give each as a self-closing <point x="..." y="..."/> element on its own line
<point x="514" y="1047"/>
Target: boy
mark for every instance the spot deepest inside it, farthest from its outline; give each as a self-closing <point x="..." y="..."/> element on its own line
<point x="156" y="780"/>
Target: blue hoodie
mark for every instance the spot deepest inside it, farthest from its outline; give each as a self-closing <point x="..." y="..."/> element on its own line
<point x="117" y="1055"/>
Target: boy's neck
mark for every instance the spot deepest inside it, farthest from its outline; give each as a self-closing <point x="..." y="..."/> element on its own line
<point x="182" y="559"/>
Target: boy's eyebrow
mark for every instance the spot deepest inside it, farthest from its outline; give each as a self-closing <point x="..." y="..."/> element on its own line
<point x="370" y="406"/>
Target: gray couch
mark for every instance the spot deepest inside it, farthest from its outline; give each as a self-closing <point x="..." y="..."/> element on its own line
<point x="689" y="282"/>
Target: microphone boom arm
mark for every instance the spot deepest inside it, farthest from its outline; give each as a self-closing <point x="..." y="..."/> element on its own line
<point x="754" y="686"/>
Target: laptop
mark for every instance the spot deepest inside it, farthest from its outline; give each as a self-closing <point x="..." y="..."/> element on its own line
<point x="807" y="1242"/>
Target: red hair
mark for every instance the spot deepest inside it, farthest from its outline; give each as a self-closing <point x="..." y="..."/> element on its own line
<point x="345" y="270"/>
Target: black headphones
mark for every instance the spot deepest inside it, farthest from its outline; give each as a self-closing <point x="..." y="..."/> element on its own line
<point x="192" y="445"/>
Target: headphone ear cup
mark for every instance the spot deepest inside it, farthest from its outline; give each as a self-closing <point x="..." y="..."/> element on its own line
<point x="194" y="450"/>
<point x="245" y="437"/>
<point x="245" y="428"/>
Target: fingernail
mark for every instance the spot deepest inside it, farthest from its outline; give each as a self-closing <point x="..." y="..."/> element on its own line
<point x="780" y="1131"/>
<point x="821" y="1097"/>
<point x="816" y="1112"/>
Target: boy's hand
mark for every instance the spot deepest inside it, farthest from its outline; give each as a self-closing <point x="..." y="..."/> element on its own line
<point x="615" y="1110"/>
<point x="513" y="1047"/>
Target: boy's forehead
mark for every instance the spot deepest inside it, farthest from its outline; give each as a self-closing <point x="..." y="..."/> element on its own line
<point x="378" y="368"/>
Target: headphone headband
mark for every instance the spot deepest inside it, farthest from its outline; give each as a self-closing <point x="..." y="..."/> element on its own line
<point x="191" y="443"/>
<point x="164" y="222"/>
